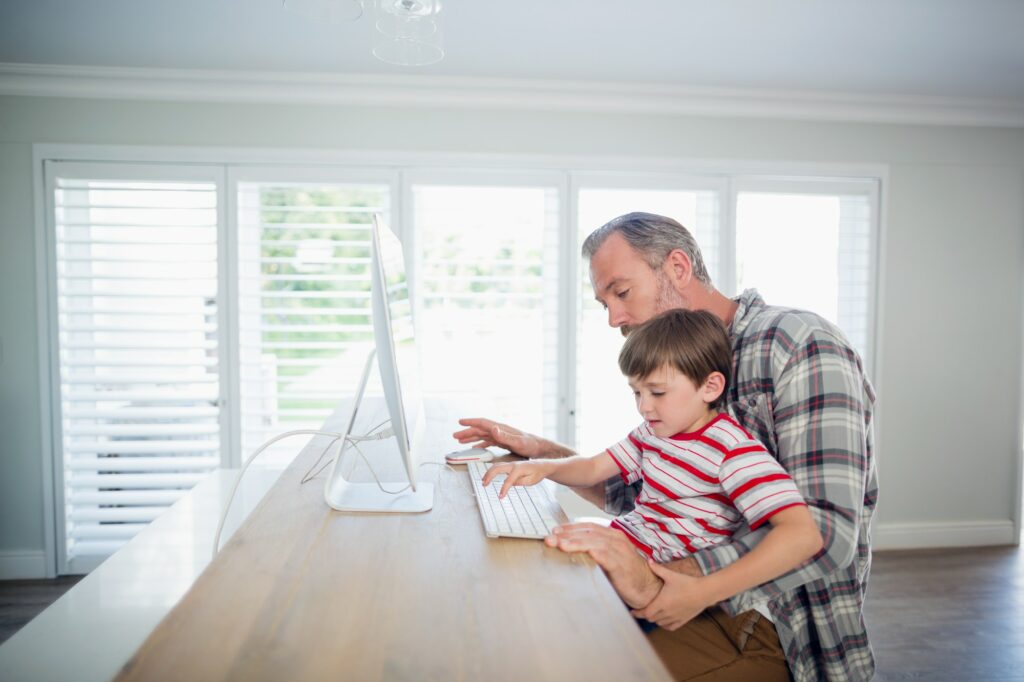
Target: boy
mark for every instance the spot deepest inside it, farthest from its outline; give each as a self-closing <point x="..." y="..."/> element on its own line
<point x="702" y="474"/>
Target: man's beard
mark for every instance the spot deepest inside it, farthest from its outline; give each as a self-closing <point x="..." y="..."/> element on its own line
<point x="668" y="299"/>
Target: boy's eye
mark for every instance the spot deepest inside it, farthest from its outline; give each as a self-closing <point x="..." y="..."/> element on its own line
<point x="657" y="393"/>
<point x="622" y="294"/>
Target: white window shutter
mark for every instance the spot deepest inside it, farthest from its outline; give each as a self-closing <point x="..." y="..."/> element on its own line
<point x="304" y="302"/>
<point x="137" y="298"/>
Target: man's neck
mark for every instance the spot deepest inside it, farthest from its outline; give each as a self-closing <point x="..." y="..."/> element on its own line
<point x="715" y="303"/>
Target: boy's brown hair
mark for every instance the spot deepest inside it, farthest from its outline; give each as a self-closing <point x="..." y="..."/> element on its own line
<point x="695" y="342"/>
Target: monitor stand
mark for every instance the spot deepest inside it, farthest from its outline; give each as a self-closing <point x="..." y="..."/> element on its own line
<point x="344" y="495"/>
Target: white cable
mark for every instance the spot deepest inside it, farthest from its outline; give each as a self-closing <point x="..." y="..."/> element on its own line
<point x="234" y="489"/>
<point x="379" y="435"/>
<point x="307" y="477"/>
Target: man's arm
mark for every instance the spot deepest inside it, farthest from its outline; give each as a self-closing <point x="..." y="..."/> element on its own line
<point x="792" y="539"/>
<point x="481" y="432"/>
<point x="822" y="442"/>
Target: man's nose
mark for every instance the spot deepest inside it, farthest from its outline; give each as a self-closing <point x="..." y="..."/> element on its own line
<point x="617" y="316"/>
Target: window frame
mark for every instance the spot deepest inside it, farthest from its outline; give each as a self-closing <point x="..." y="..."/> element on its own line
<point x="53" y="409"/>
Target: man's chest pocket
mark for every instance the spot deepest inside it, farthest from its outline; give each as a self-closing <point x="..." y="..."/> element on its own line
<point x="754" y="413"/>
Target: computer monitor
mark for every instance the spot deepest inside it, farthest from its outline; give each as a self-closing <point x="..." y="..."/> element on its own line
<point x="395" y="352"/>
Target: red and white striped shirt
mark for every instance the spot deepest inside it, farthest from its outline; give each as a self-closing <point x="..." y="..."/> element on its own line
<point x="698" y="487"/>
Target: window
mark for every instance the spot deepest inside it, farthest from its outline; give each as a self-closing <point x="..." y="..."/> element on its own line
<point x="487" y="292"/>
<point x="605" y="411"/>
<point x="137" y="305"/>
<point x="809" y="245"/>
<point x="304" y="302"/>
<point x="198" y="310"/>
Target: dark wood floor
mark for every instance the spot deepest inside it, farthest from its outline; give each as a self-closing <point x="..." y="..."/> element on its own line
<point x="948" y="615"/>
<point x="23" y="600"/>
<point x="934" y="615"/>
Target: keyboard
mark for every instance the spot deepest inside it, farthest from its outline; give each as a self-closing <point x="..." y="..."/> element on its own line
<point x="526" y="512"/>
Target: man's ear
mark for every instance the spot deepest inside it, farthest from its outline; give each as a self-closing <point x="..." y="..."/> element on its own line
<point x="678" y="268"/>
<point x="713" y="387"/>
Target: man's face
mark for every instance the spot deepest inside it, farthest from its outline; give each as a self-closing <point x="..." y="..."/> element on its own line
<point x="627" y="288"/>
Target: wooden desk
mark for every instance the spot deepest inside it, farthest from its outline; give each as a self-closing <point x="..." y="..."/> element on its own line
<point x="302" y="592"/>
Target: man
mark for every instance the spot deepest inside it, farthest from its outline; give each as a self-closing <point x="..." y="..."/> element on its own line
<point x="799" y="388"/>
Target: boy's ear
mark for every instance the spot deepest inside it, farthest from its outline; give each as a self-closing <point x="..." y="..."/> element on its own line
<point x="713" y="387"/>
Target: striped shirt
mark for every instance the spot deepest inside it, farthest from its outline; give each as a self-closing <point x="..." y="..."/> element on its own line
<point x="698" y="487"/>
<point x="799" y="388"/>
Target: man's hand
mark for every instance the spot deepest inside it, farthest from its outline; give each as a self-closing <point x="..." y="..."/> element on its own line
<point x="517" y="473"/>
<point x="680" y="600"/>
<point x="629" y="574"/>
<point x="483" y="432"/>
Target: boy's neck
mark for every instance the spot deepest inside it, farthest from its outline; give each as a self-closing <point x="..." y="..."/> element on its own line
<point x="703" y="421"/>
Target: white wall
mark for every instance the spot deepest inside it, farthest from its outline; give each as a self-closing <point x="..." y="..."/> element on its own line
<point x="950" y="404"/>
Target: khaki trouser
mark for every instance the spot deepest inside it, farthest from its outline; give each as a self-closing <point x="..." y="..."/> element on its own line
<point x="715" y="647"/>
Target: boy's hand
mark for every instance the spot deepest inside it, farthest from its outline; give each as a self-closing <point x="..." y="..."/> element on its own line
<point x="518" y="473"/>
<point x="680" y="600"/>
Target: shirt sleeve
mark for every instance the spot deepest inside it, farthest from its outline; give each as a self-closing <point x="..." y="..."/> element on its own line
<point x="820" y="415"/>
<point x="757" y="484"/>
<point x="627" y="454"/>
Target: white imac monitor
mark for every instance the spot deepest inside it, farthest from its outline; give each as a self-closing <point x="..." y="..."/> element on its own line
<point x="396" y="357"/>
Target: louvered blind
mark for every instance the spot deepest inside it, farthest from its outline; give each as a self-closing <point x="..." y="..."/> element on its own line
<point x="486" y="294"/>
<point x="136" y="272"/>
<point x="305" y="324"/>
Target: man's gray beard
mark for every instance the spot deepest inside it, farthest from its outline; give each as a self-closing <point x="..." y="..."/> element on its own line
<point x="668" y="299"/>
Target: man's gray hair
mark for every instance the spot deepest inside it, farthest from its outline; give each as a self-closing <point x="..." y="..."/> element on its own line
<point x="653" y="237"/>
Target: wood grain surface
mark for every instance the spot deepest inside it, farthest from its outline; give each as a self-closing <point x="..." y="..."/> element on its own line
<point x="302" y="592"/>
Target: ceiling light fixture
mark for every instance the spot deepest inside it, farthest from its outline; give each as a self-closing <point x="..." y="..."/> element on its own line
<point x="406" y="32"/>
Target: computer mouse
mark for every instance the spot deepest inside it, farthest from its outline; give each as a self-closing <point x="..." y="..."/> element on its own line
<point x="469" y="455"/>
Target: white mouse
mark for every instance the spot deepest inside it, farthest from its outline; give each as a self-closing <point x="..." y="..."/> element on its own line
<point x="469" y="455"/>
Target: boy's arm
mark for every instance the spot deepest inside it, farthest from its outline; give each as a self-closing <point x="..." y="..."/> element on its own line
<point x="571" y="471"/>
<point x="793" y="539"/>
<point x="579" y="472"/>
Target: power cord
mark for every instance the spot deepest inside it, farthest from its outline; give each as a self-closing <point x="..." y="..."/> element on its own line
<point x="346" y="439"/>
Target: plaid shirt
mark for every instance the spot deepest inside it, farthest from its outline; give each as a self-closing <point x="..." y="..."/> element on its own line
<point x="800" y="389"/>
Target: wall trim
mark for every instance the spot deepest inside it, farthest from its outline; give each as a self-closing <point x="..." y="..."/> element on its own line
<point x="53" y="80"/>
<point x="947" y="534"/>
<point x="23" y="565"/>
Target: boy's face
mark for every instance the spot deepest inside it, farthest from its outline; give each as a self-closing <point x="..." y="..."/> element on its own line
<point x="670" y="402"/>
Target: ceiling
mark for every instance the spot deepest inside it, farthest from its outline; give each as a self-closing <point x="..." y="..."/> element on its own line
<point x="949" y="48"/>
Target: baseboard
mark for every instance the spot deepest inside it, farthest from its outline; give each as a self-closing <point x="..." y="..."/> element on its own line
<point x="23" y="565"/>
<point x="942" y="534"/>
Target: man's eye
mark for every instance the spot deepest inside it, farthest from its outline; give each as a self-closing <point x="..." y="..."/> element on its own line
<point x="656" y="394"/>
<point x="622" y="294"/>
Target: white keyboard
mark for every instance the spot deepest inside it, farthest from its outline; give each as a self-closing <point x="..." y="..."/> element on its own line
<point x="526" y="512"/>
